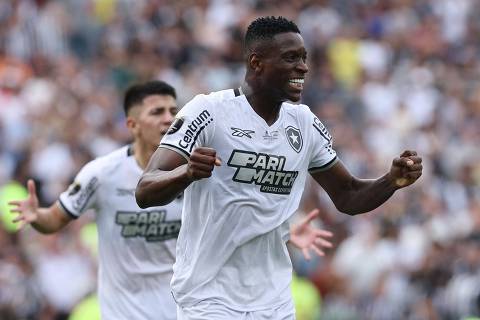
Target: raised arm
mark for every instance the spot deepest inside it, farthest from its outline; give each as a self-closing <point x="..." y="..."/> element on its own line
<point x="168" y="174"/>
<point x="354" y="196"/>
<point x="44" y="220"/>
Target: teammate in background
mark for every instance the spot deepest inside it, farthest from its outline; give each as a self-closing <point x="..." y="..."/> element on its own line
<point x="242" y="157"/>
<point x="136" y="247"/>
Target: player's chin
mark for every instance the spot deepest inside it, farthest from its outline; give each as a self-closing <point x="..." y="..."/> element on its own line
<point x="294" y="97"/>
<point x="293" y="94"/>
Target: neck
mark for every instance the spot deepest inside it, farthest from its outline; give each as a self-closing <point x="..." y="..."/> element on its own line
<point x="142" y="153"/>
<point x="264" y="105"/>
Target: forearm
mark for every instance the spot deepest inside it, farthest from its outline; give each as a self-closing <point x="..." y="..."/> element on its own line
<point x="49" y="220"/>
<point x="157" y="188"/>
<point x="366" y="195"/>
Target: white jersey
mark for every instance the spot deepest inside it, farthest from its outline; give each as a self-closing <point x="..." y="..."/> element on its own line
<point x="136" y="246"/>
<point x="231" y="248"/>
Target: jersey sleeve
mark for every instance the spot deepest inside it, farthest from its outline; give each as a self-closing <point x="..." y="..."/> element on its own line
<point x="81" y="195"/>
<point x="323" y="155"/>
<point x="193" y="127"/>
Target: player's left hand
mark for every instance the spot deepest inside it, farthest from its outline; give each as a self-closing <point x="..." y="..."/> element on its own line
<point x="406" y="169"/>
<point x="306" y="237"/>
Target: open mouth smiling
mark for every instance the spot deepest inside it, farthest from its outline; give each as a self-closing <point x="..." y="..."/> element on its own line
<point x="297" y="82"/>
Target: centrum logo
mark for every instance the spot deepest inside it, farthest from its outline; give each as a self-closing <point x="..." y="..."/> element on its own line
<point x="194" y="129"/>
<point x="151" y="225"/>
<point x="265" y="170"/>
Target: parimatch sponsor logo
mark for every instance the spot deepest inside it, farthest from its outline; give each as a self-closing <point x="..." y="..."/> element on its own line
<point x="265" y="170"/>
<point x="151" y="225"/>
<point x="194" y="129"/>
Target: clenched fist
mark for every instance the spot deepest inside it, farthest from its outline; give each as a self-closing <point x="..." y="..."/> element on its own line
<point x="201" y="163"/>
<point x="406" y="169"/>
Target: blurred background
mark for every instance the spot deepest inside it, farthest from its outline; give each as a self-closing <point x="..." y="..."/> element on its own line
<point x="384" y="76"/>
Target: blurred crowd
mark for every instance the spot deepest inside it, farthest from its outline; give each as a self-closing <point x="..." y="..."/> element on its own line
<point x="384" y="76"/>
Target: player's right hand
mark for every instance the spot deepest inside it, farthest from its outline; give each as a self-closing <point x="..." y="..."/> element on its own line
<point x="27" y="209"/>
<point x="201" y="164"/>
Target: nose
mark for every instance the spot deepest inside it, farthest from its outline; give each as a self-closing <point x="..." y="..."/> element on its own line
<point x="168" y="118"/>
<point x="302" y="67"/>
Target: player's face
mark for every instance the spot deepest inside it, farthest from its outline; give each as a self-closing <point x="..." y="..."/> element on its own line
<point x="154" y="118"/>
<point x="285" y="66"/>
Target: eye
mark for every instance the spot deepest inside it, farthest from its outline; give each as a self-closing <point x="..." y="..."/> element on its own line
<point x="291" y="57"/>
<point x="157" y="111"/>
<point x="174" y="111"/>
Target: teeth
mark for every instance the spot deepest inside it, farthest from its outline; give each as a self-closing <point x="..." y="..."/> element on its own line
<point x="297" y="81"/>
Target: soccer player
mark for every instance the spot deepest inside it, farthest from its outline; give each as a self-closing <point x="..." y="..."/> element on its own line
<point x="242" y="157"/>
<point x="136" y="247"/>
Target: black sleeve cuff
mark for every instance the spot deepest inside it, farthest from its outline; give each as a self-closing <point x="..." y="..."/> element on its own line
<point x="325" y="166"/>
<point x="67" y="212"/>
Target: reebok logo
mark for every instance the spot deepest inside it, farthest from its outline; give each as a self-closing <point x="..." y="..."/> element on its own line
<point x="242" y="133"/>
<point x="264" y="170"/>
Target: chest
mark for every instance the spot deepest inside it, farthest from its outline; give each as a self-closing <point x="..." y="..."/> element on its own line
<point x="247" y="138"/>
<point x="266" y="157"/>
<point x="117" y="198"/>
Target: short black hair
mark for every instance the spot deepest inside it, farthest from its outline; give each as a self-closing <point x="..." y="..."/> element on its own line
<point x="266" y="28"/>
<point x="136" y="93"/>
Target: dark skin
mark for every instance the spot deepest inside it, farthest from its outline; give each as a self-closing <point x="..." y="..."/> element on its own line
<point x="275" y="72"/>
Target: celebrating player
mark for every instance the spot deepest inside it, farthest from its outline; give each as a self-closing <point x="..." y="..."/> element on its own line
<point x="136" y="247"/>
<point x="242" y="157"/>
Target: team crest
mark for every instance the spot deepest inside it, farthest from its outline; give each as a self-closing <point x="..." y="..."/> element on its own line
<point x="294" y="137"/>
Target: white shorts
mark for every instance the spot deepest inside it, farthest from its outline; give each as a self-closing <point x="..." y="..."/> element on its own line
<point x="215" y="311"/>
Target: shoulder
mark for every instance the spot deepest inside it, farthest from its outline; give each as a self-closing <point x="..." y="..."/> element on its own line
<point x="207" y="105"/>
<point x="221" y="96"/>
<point x="104" y="165"/>
<point x="215" y="98"/>
<point x="300" y="112"/>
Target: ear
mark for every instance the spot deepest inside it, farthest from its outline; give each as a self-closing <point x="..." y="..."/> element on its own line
<point x="255" y="63"/>
<point x="131" y="124"/>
